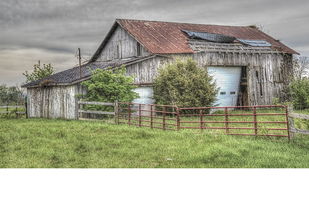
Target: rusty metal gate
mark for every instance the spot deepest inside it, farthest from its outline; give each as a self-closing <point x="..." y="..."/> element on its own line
<point x="268" y="120"/>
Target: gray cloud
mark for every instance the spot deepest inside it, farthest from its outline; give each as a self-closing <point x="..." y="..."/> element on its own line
<point x="52" y="30"/>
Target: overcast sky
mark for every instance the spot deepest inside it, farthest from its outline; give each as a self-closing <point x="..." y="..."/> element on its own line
<point x="52" y="30"/>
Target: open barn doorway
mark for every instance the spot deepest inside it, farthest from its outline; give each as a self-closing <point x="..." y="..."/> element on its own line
<point x="243" y="99"/>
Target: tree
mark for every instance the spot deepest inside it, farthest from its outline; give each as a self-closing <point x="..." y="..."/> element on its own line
<point x="301" y="66"/>
<point x="39" y="72"/>
<point x="11" y="95"/>
<point x="109" y="85"/>
<point x="299" y="92"/>
<point x="184" y="83"/>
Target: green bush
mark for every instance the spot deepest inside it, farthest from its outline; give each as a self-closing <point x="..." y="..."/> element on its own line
<point x="107" y="85"/>
<point x="299" y="92"/>
<point x="185" y="84"/>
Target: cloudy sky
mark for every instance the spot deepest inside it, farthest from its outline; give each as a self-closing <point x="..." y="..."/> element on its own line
<point x="52" y="30"/>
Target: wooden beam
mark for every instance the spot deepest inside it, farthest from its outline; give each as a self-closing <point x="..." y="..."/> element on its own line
<point x="95" y="103"/>
<point x="295" y="130"/>
<point x="299" y="116"/>
<point x="96" y="112"/>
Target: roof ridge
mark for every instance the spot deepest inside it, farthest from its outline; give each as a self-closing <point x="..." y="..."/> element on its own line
<point x="175" y="22"/>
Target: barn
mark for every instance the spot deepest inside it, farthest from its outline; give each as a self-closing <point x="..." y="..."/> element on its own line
<point x="249" y="66"/>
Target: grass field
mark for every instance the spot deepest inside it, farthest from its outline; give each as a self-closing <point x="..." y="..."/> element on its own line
<point x="40" y="143"/>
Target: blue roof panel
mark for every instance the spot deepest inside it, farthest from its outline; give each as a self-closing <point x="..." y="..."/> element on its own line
<point x="220" y="38"/>
<point x="255" y="43"/>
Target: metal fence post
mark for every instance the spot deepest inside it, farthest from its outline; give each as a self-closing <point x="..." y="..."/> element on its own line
<point x="139" y="115"/>
<point x="151" y="116"/>
<point x="255" y="121"/>
<point x="178" y="117"/>
<point x="164" y="114"/>
<point x="201" y="119"/>
<point x="226" y="120"/>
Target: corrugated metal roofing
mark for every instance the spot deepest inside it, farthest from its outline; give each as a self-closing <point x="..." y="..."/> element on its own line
<point x="72" y="75"/>
<point x="210" y="37"/>
<point x="168" y="37"/>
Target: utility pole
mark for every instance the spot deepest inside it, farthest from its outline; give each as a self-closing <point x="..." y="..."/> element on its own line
<point x="79" y="61"/>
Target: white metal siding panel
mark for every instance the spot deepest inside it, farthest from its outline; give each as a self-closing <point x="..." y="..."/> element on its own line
<point x="227" y="80"/>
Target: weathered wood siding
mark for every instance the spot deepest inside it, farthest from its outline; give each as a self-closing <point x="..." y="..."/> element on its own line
<point x="127" y="46"/>
<point x="145" y="71"/>
<point x="267" y="74"/>
<point x="52" y="102"/>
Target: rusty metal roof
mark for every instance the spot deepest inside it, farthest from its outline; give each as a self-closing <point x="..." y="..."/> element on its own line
<point x="168" y="37"/>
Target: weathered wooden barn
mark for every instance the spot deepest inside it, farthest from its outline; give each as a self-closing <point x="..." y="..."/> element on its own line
<point x="249" y="66"/>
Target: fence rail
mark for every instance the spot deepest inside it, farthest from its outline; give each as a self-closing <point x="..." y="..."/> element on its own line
<point x="238" y="120"/>
<point x="148" y="115"/>
<point x="292" y="115"/>
<point x="82" y="111"/>
<point x="13" y="110"/>
<point x="270" y="120"/>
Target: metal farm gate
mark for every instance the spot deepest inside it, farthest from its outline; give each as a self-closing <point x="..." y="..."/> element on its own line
<point x="269" y="120"/>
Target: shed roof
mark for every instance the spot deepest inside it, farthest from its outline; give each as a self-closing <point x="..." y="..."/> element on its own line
<point x="168" y="37"/>
<point x="73" y="75"/>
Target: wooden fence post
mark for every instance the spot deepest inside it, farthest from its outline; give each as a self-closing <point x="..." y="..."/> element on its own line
<point x="26" y="107"/>
<point x="290" y="122"/>
<point x="7" y="110"/>
<point x="129" y="113"/>
<point x="116" y="111"/>
<point x="255" y="121"/>
<point x="16" y="114"/>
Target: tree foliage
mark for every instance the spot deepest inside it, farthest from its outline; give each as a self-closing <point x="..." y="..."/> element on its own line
<point x="301" y="67"/>
<point x="11" y="95"/>
<point x="299" y="92"/>
<point x="39" y="72"/>
<point x="107" y="85"/>
<point x="184" y="83"/>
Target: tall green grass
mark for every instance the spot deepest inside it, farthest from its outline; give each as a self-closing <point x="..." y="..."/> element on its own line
<point x="41" y="143"/>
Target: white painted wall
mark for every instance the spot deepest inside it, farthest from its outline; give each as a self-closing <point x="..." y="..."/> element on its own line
<point x="145" y="95"/>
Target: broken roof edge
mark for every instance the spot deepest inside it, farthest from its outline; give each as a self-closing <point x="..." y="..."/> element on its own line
<point x="276" y="40"/>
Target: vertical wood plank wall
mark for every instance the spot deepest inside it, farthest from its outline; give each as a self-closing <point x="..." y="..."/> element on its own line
<point x="52" y="102"/>
<point x="127" y="46"/>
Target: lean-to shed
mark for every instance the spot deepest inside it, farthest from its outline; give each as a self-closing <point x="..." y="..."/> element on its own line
<point x="249" y="66"/>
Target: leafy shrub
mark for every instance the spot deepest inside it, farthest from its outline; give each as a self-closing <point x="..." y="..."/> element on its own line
<point x="107" y="85"/>
<point x="299" y="92"/>
<point x="184" y="83"/>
